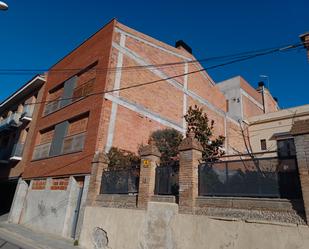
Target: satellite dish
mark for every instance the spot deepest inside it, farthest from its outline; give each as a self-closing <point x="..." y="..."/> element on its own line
<point x="3" y="6"/>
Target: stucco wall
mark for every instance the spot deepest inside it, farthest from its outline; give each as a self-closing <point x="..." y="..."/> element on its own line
<point x="161" y="226"/>
<point x="270" y="125"/>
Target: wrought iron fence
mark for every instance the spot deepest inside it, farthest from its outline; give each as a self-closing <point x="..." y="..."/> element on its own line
<point x="167" y="179"/>
<point x="120" y="181"/>
<point x="263" y="177"/>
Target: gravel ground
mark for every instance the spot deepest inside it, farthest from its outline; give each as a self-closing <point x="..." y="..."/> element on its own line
<point x="262" y="215"/>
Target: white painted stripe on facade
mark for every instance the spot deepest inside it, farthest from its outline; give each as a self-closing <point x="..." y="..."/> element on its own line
<point x="203" y="73"/>
<point x="151" y="44"/>
<point x="162" y="75"/>
<point x="185" y="98"/>
<point x="141" y="61"/>
<point x="251" y="99"/>
<point x="134" y="56"/>
<point x="143" y="111"/>
<point x="181" y="56"/>
<point x="112" y="120"/>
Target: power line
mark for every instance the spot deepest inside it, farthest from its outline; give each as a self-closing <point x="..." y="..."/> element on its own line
<point x="281" y="49"/>
<point x="141" y="67"/>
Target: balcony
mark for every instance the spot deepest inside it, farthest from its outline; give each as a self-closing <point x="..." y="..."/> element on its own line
<point x="17" y="152"/>
<point x="10" y="122"/>
<point x="27" y="113"/>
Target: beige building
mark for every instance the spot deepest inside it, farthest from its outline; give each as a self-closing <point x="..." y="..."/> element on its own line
<point x="270" y="133"/>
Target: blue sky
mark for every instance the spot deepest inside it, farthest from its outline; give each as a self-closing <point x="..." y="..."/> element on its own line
<point x="37" y="33"/>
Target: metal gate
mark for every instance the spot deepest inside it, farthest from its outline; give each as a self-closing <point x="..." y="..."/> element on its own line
<point x="167" y="179"/>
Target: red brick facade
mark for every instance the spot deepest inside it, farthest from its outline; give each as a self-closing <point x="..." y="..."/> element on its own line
<point x="126" y="118"/>
<point x="59" y="184"/>
<point x="38" y="184"/>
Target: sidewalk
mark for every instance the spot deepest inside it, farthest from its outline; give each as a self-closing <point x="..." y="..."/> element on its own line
<point x="26" y="238"/>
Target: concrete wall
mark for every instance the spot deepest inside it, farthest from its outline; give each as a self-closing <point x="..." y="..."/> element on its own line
<point x="161" y="226"/>
<point x="18" y="201"/>
<point x="48" y="210"/>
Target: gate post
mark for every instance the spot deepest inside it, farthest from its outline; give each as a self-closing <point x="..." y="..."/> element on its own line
<point x="190" y="153"/>
<point x="98" y="164"/>
<point x="300" y="131"/>
<point x="150" y="158"/>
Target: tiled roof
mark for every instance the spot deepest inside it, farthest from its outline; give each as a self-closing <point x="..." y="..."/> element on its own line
<point x="300" y="127"/>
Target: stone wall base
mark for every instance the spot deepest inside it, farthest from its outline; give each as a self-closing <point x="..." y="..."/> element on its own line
<point x="116" y="201"/>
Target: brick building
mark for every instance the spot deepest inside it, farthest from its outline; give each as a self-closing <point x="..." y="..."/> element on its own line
<point x="70" y="129"/>
<point x="17" y="116"/>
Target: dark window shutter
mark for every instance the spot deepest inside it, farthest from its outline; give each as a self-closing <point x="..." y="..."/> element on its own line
<point x="60" y="132"/>
<point x="69" y="86"/>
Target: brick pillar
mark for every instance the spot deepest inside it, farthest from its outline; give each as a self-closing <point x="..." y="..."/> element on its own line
<point x="150" y="158"/>
<point x="300" y="131"/>
<point x="99" y="163"/>
<point x="302" y="151"/>
<point x="190" y="154"/>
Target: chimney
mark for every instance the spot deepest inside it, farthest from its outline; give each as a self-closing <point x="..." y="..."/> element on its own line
<point x="261" y="84"/>
<point x="182" y="45"/>
<point x="305" y="39"/>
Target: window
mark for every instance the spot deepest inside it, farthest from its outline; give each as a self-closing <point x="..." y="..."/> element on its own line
<point x="75" y="137"/>
<point x="263" y="144"/>
<point x="53" y="100"/>
<point x="286" y="147"/>
<point x="43" y="142"/>
<point x="74" y="88"/>
<point x="83" y="90"/>
<point x="65" y="137"/>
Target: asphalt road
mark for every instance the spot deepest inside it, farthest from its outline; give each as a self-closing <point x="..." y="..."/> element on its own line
<point x="9" y="243"/>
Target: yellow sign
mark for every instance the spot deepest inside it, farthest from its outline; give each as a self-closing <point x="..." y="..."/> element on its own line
<point x="146" y="163"/>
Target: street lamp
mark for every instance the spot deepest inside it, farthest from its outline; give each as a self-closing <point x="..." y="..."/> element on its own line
<point x="3" y="6"/>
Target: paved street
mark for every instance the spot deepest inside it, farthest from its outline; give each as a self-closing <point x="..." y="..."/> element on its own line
<point x="14" y="236"/>
<point x="4" y="244"/>
<point x="9" y="243"/>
